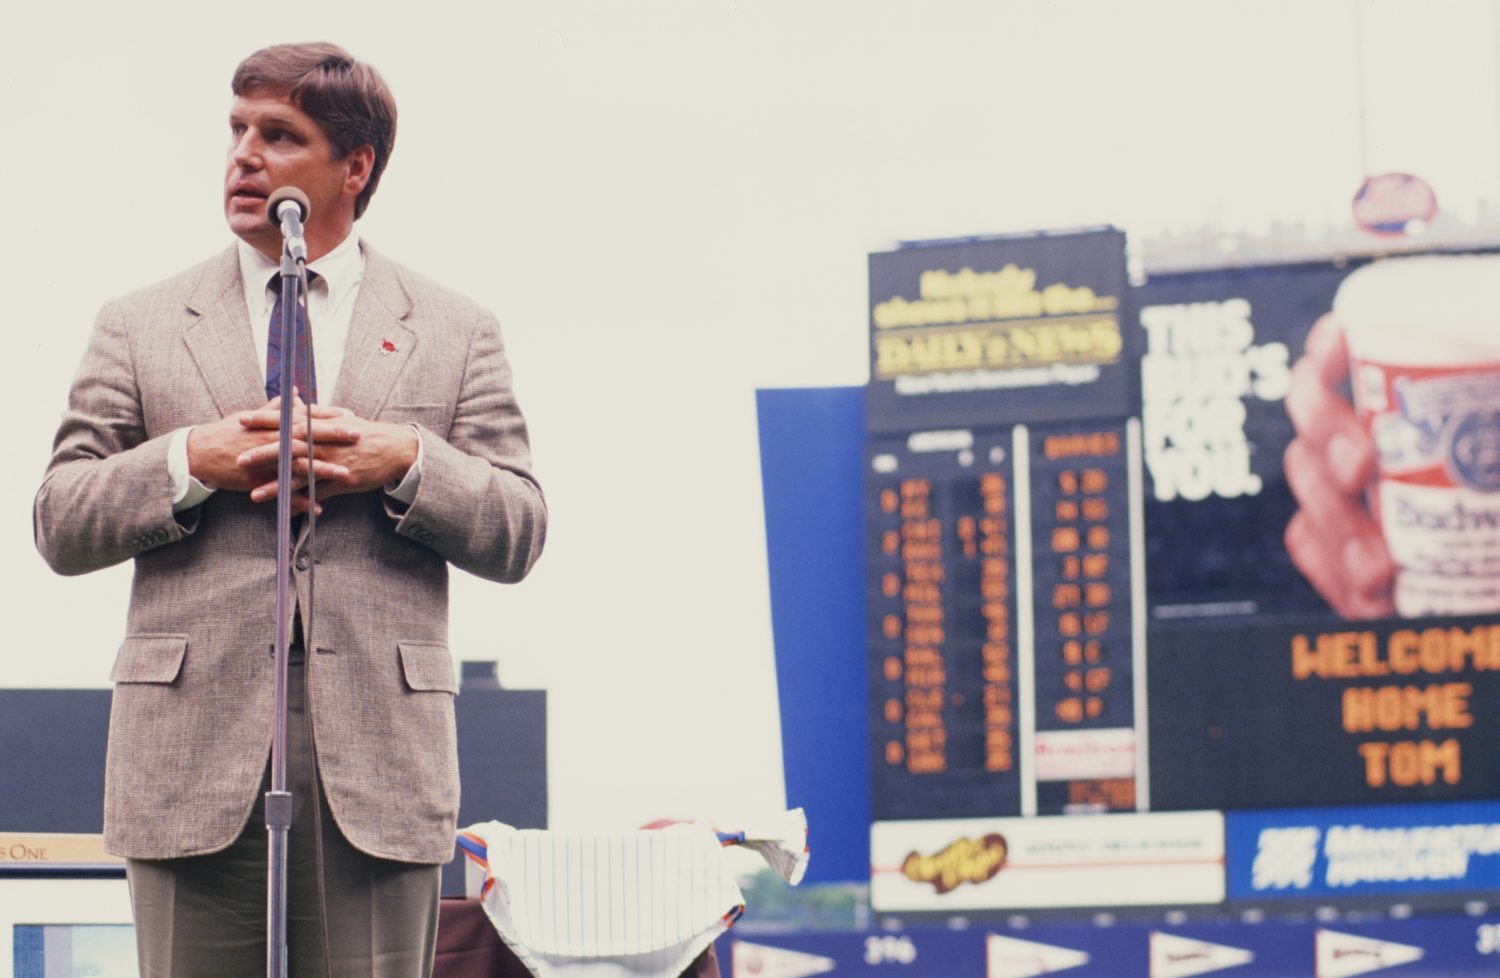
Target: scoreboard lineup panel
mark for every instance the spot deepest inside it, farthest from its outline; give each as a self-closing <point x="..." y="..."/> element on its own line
<point x="1080" y="604"/>
<point x="1004" y="618"/>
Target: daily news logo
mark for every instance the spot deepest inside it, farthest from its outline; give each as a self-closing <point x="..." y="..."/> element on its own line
<point x="962" y="861"/>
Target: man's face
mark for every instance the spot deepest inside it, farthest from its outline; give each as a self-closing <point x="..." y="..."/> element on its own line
<point x="274" y="144"/>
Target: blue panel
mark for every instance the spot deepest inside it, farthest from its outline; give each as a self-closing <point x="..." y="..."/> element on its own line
<point x="1450" y="947"/>
<point x="1451" y="847"/>
<point x="29" y="952"/>
<point x="811" y="456"/>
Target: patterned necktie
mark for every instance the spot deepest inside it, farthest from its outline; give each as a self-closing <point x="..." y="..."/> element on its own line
<point x="304" y="376"/>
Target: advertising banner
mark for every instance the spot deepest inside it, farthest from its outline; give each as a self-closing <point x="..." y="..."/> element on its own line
<point x="1000" y="330"/>
<point x="1323" y="853"/>
<point x="1218" y="348"/>
<point x="1323" y="438"/>
<point x="1451" y="946"/>
<point x="1166" y="859"/>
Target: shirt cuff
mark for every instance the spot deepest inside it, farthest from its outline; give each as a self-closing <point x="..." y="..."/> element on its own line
<point x="187" y="491"/>
<point x="406" y="490"/>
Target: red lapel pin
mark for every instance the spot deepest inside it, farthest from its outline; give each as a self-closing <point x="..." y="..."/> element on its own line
<point x="387" y="347"/>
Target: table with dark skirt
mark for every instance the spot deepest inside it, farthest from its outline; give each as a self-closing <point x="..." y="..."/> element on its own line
<point x="469" y="947"/>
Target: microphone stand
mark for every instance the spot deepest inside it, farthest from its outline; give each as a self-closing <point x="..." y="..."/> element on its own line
<point x="279" y="799"/>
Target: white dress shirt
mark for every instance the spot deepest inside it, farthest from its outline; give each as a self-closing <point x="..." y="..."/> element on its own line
<point x="330" y="308"/>
<point x="330" y="305"/>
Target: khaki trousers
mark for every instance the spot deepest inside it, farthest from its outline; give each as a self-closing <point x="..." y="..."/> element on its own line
<point x="349" y="915"/>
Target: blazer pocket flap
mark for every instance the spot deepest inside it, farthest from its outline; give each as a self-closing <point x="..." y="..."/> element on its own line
<point x="428" y="667"/>
<point x="149" y="659"/>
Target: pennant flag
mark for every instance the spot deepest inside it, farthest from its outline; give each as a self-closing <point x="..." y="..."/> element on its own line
<point x="1342" y="955"/>
<point x="1011" y="957"/>
<point x="1178" y="957"/>
<point x="764" y="961"/>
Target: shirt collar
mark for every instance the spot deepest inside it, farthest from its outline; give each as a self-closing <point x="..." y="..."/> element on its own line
<point x="340" y="270"/>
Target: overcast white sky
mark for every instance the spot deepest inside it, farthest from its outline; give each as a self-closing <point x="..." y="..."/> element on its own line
<point x="670" y="204"/>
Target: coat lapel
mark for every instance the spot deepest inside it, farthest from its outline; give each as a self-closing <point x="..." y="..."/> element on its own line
<point x="380" y="343"/>
<point x="220" y="341"/>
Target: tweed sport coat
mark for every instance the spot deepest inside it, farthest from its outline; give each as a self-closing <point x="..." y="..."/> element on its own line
<point x="190" y="725"/>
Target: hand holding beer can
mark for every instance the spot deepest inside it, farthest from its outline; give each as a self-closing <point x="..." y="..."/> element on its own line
<point x="1424" y="346"/>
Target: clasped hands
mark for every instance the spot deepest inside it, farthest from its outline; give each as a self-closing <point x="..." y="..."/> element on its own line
<point x="349" y="454"/>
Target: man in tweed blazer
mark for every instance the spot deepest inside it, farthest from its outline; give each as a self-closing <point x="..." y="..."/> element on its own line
<point x="422" y="461"/>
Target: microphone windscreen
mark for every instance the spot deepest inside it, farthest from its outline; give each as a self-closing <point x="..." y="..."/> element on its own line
<point x="281" y="196"/>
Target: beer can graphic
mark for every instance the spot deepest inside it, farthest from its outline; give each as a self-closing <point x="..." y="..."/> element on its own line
<point x="1424" y="345"/>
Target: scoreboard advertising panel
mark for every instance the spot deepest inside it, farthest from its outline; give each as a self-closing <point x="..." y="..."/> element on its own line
<point x="1183" y="593"/>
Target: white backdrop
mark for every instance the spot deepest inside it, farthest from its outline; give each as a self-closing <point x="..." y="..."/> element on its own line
<point x="669" y="204"/>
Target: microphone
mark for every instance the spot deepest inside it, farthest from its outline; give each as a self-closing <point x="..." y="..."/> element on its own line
<point x="287" y="208"/>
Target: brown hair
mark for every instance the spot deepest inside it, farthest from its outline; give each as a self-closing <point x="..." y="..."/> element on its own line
<point x="348" y="98"/>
